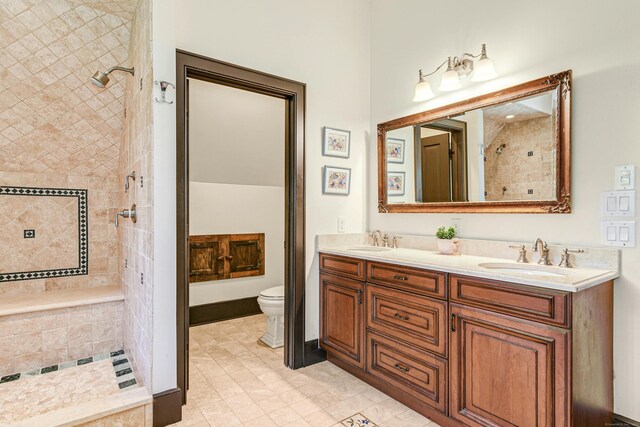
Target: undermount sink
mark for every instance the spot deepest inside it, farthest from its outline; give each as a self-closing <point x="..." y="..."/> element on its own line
<point x="365" y="248"/>
<point x="528" y="269"/>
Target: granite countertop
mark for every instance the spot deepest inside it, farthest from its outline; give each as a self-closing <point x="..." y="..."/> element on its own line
<point x="563" y="279"/>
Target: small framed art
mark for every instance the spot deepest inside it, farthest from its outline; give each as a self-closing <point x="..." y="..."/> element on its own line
<point x="395" y="183"/>
<point x="336" y="142"/>
<point x="336" y="180"/>
<point x="395" y="150"/>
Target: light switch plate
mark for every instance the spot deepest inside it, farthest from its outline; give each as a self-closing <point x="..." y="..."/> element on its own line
<point x="619" y="233"/>
<point x="625" y="177"/>
<point x="341" y="224"/>
<point x="618" y="204"/>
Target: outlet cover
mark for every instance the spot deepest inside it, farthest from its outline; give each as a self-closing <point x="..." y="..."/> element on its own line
<point x="341" y="224"/>
<point x="625" y="177"/>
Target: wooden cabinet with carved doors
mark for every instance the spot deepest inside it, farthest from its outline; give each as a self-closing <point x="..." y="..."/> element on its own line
<point x="225" y="256"/>
<point x="342" y="315"/>
<point x="467" y="351"/>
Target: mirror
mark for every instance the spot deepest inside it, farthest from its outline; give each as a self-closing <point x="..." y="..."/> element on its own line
<point x="507" y="151"/>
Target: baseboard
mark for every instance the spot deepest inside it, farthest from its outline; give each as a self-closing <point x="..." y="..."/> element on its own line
<point x="619" y="420"/>
<point x="313" y="353"/>
<point x="167" y="407"/>
<point x="223" y="310"/>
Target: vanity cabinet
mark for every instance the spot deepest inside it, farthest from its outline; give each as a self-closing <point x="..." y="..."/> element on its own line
<point x="467" y="351"/>
<point x="342" y="326"/>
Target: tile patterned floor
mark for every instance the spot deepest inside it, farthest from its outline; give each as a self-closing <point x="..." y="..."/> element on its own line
<point x="236" y="381"/>
<point x="43" y="390"/>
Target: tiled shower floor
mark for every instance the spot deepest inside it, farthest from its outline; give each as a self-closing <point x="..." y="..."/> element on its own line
<point x="236" y="381"/>
<point x="40" y="391"/>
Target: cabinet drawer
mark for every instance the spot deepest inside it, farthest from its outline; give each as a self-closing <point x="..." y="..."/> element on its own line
<point x="344" y="266"/>
<point x="424" y="282"/>
<point x="414" y="372"/>
<point x="416" y="319"/>
<point x="526" y="302"/>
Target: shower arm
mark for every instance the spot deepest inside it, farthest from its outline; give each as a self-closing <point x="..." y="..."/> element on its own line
<point x="118" y="68"/>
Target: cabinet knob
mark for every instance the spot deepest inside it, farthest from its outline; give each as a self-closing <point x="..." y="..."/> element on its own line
<point x="220" y="258"/>
<point x="229" y="257"/>
<point x="398" y="277"/>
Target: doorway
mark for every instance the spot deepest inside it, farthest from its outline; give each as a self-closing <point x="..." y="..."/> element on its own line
<point x="195" y="68"/>
<point x="440" y="157"/>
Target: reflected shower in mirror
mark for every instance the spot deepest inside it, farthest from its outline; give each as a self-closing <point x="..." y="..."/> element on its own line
<point x="502" y="152"/>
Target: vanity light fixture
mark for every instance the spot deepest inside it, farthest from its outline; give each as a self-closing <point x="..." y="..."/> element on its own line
<point x="457" y="68"/>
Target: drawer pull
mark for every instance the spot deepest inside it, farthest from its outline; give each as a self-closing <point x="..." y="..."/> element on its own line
<point x="401" y="317"/>
<point x="401" y="368"/>
<point x="397" y="277"/>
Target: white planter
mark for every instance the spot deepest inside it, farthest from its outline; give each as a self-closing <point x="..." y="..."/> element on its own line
<point x="449" y="246"/>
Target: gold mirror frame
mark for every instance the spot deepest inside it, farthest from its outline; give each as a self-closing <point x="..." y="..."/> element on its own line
<point x="560" y="82"/>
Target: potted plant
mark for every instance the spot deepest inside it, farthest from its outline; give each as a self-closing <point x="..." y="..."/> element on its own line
<point x="447" y="245"/>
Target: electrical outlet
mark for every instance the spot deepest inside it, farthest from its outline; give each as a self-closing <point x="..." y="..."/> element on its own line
<point x="341" y="224"/>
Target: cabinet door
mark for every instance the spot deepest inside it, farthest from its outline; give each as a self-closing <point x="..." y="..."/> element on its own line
<point x="342" y="318"/>
<point x="505" y="372"/>
<point x="246" y="255"/>
<point x="206" y="260"/>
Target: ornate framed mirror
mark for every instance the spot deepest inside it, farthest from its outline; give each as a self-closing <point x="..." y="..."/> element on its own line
<point x="504" y="152"/>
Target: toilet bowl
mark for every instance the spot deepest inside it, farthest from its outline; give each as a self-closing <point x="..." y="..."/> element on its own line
<point x="271" y="303"/>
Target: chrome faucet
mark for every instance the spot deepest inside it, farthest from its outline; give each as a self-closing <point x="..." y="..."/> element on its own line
<point x="385" y="240"/>
<point x="543" y="248"/>
<point x="127" y="213"/>
<point x="376" y="235"/>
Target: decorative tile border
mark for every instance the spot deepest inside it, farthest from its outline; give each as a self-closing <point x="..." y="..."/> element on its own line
<point x="121" y="368"/>
<point x="83" y="226"/>
<point x="358" y="420"/>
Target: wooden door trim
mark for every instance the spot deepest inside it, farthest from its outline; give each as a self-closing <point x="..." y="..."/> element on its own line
<point x="190" y="65"/>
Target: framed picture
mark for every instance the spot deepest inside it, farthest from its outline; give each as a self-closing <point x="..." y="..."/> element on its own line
<point x="395" y="183"/>
<point x="395" y="150"/>
<point x="335" y="142"/>
<point x="336" y="180"/>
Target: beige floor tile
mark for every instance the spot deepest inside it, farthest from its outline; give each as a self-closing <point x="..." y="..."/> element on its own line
<point x="237" y="381"/>
<point x="284" y="416"/>
<point x="263" y="421"/>
<point x="320" y="419"/>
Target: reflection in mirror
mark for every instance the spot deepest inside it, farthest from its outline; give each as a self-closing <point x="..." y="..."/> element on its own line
<point x="503" y="152"/>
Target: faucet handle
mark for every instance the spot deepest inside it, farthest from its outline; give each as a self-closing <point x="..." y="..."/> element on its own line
<point x="523" y="253"/>
<point x="564" y="259"/>
<point x="395" y="242"/>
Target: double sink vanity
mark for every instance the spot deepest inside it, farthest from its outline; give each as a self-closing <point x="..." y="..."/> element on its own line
<point x="490" y="337"/>
<point x="472" y="339"/>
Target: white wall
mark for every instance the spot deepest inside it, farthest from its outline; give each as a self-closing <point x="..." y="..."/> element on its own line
<point x="164" y="365"/>
<point x="600" y="41"/>
<point x="231" y="209"/>
<point x="235" y="136"/>
<point x="323" y="44"/>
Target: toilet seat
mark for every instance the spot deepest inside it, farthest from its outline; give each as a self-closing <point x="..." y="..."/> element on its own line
<point x="273" y="294"/>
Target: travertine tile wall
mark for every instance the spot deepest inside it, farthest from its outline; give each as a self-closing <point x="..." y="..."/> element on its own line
<point x="57" y="129"/>
<point x="515" y="169"/>
<point x="35" y="340"/>
<point x="136" y="240"/>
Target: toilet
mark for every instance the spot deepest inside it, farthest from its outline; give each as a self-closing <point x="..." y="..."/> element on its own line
<point x="271" y="303"/>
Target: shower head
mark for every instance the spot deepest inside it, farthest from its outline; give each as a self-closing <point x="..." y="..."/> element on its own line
<point x="101" y="79"/>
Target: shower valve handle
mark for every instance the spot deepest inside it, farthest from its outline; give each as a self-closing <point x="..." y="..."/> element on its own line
<point x="127" y="213"/>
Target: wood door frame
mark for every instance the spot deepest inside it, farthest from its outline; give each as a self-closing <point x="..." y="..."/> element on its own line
<point x="190" y="65"/>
